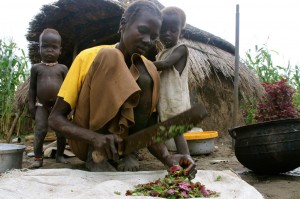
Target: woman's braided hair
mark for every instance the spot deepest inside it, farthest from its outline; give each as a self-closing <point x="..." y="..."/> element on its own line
<point x="139" y="7"/>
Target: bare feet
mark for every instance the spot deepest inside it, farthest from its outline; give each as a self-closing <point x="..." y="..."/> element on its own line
<point x="61" y="159"/>
<point x="103" y="166"/>
<point x="36" y="164"/>
<point x="128" y="163"/>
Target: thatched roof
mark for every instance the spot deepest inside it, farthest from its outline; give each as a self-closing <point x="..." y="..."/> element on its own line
<point x="81" y="23"/>
<point x="87" y="23"/>
<point x="212" y="61"/>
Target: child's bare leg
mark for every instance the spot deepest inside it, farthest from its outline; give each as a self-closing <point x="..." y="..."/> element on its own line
<point x="41" y="128"/>
<point x="61" y="145"/>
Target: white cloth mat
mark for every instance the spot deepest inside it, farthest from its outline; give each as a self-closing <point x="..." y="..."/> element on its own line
<point x="77" y="184"/>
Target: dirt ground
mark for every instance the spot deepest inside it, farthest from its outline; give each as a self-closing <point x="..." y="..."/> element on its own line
<point x="282" y="186"/>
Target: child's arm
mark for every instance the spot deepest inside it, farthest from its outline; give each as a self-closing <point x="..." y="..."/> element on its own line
<point x="178" y="59"/>
<point x="32" y="91"/>
<point x="65" y="71"/>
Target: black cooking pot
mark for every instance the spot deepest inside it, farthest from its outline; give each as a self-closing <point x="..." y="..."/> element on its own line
<point x="268" y="147"/>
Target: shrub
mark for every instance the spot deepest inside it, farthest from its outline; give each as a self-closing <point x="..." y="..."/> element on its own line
<point x="277" y="103"/>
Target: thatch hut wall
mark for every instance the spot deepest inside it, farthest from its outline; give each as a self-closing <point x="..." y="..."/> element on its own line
<point x="211" y="80"/>
<point x="87" y="23"/>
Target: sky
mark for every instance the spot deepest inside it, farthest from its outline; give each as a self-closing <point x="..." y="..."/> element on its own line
<point x="274" y="23"/>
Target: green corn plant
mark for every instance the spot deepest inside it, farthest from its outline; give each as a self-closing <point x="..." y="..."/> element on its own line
<point x="261" y="62"/>
<point x="13" y="71"/>
<point x="295" y="82"/>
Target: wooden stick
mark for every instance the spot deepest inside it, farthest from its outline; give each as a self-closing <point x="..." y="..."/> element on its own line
<point x="49" y="145"/>
<point x="17" y="116"/>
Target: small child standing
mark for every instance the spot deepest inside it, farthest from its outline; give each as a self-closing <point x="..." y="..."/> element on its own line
<point x="45" y="81"/>
<point x="172" y="61"/>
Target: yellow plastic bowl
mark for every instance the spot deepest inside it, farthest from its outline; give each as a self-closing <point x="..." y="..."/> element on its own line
<point x="201" y="142"/>
<point x="200" y="135"/>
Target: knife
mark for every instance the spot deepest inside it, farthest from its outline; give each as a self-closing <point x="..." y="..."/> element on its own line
<point x="160" y="132"/>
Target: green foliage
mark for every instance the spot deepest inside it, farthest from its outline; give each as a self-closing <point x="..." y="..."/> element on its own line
<point x="260" y="61"/>
<point x="13" y="71"/>
<point x="248" y="109"/>
<point x="295" y="83"/>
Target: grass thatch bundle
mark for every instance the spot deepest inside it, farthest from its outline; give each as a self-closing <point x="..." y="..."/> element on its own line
<point x="21" y="96"/>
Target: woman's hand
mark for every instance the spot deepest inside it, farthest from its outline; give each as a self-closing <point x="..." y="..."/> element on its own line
<point x="185" y="161"/>
<point x="108" y="146"/>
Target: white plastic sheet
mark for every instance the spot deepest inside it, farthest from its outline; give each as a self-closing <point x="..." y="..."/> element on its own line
<point x="77" y="184"/>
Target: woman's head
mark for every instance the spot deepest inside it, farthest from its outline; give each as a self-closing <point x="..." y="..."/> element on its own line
<point x="139" y="27"/>
<point x="138" y="7"/>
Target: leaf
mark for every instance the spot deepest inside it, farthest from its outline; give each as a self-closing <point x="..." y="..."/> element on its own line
<point x="117" y="193"/>
<point x="218" y="178"/>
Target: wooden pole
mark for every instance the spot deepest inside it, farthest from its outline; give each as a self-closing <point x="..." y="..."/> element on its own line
<point x="11" y="130"/>
<point x="236" y="70"/>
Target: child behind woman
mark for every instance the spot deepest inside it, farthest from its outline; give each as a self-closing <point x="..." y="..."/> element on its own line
<point x="172" y="61"/>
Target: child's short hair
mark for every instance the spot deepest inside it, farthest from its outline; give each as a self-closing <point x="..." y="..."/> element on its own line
<point x="138" y="7"/>
<point x="172" y="10"/>
<point x="49" y="30"/>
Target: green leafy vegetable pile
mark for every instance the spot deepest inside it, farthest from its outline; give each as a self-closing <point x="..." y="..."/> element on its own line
<point x="165" y="133"/>
<point x="174" y="185"/>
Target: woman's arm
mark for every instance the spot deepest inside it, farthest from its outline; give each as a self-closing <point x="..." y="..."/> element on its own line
<point x="58" y="121"/>
<point x="161" y="152"/>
